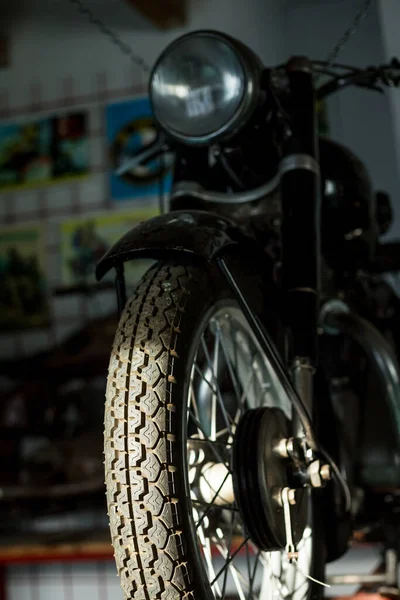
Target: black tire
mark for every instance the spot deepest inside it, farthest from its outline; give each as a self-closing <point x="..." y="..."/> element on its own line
<point x="156" y="549"/>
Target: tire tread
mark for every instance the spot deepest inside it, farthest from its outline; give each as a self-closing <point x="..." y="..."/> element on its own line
<point x="140" y="444"/>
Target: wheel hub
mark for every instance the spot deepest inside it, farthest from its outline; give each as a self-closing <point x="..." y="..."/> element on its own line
<point x="259" y="476"/>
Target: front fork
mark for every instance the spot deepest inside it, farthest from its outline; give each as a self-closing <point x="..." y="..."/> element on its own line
<point x="300" y="230"/>
<point x="300" y="196"/>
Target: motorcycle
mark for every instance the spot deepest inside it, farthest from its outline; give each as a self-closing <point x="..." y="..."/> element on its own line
<point x="252" y="420"/>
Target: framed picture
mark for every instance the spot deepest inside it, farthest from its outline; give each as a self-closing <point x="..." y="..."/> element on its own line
<point x="43" y="151"/>
<point x="130" y="127"/>
<point x="23" y="282"/>
<point x="85" y="240"/>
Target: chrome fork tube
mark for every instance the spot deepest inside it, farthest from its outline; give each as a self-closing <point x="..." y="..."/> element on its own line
<point x="303" y="382"/>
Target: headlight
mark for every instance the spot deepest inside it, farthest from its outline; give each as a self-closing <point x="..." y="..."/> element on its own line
<point x="204" y="86"/>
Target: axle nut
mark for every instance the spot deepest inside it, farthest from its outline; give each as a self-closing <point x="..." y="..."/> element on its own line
<point x="314" y="474"/>
<point x="292" y="497"/>
<point x="281" y="449"/>
<point x="284" y="448"/>
<point x="325" y="472"/>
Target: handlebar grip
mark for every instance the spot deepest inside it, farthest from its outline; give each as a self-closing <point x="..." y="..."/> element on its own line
<point x="387" y="258"/>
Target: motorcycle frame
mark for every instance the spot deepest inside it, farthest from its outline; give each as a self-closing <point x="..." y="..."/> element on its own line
<point x="201" y="235"/>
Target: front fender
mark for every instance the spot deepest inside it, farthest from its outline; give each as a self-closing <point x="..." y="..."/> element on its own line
<point x="198" y="233"/>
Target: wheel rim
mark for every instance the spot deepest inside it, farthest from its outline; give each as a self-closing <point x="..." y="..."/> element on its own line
<point x="230" y="375"/>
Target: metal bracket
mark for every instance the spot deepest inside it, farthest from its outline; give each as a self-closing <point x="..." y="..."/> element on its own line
<point x="388" y="578"/>
<point x="290" y="547"/>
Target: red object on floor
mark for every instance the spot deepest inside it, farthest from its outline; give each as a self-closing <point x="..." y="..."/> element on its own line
<point x="3" y="583"/>
<point x="361" y="596"/>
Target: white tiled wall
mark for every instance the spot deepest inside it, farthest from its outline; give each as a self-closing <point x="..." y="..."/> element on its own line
<point x="50" y="206"/>
<point x="98" y="580"/>
<point x="64" y="581"/>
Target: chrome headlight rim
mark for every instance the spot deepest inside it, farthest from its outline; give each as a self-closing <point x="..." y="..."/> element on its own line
<point x="251" y="67"/>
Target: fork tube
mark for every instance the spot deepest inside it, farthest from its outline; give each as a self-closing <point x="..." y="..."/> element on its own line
<point x="300" y="193"/>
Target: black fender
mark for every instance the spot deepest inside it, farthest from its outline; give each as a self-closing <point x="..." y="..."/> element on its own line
<point x="199" y="234"/>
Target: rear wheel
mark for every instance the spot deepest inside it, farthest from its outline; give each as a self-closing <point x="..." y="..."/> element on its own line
<point x="186" y="378"/>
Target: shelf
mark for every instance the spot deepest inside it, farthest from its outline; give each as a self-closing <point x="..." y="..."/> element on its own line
<point x="165" y="14"/>
<point x="68" y="552"/>
<point x="95" y="550"/>
<point x="85" y="551"/>
<point x="87" y="290"/>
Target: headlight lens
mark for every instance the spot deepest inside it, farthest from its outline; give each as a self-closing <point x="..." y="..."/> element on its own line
<point x="200" y="87"/>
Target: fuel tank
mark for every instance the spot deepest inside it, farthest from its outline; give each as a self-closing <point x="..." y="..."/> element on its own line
<point x="349" y="229"/>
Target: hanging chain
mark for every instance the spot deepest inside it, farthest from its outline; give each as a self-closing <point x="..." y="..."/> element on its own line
<point x="125" y="48"/>
<point x="140" y="62"/>
<point x="360" y="16"/>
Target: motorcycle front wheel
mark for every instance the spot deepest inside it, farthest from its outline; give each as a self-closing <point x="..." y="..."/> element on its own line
<point x="185" y="367"/>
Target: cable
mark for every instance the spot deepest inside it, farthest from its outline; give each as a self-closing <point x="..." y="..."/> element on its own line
<point x="125" y="48"/>
<point x="350" y="31"/>
<point x="235" y="179"/>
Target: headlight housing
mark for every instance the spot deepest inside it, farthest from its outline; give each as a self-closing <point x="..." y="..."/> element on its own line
<point x="204" y="86"/>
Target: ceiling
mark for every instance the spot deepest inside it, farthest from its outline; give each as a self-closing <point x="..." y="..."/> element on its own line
<point x="114" y="13"/>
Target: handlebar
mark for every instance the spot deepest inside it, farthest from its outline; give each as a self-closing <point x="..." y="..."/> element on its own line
<point x="372" y="78"/>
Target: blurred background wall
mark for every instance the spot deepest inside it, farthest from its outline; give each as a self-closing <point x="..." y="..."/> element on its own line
<point x="361" y="120"/>
<point x="389" y="20"/>
<point x="59" y="59"/>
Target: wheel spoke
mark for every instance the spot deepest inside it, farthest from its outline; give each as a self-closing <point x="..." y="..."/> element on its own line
<point x="248" y="565"/>
<point x="229" y="551"/>
<point x="214" y="388"/>
<point x="237" y="576"/>
<point x="256" y="565"/>
<point x="235" y="422"/>
<point x="246" y="389"/>
<point x="232" y="376"/>
<point x="211" y="505"/>
<point x="192" y="402"/>
<point x="234" y="380"/>
<point x="205" y="542"/>
<point x="229" y="560"/>
<point x="235" y="348"/>
<point x="215" y="393"/>
<point x="210" y="485"/>
<point x="229" y="507"/>
<point x="210" y="443"/>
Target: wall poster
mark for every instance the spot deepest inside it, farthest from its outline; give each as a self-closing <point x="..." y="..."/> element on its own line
<point x="23" y="283"/>
<point x="43" y="151"/>
<point x="85" y="240"/>
<point x="130" y="127"/>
